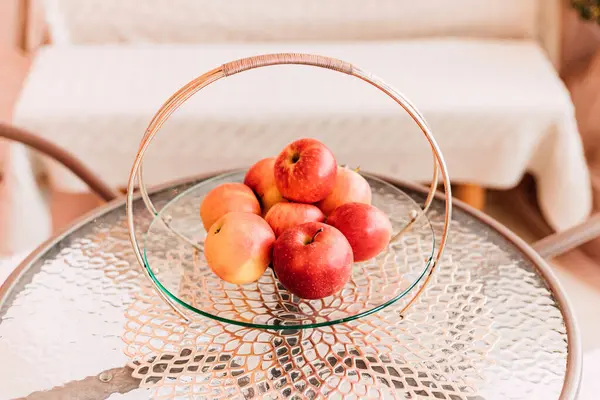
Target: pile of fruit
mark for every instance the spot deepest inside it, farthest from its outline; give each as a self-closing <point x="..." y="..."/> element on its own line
<point x="318" y="220"/>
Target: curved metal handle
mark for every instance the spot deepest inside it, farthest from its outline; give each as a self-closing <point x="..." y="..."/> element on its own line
<point x="234" y="67"/>
<point x="60" y="155"/>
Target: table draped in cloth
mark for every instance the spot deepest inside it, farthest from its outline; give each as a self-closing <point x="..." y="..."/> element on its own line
<point x="497" y="108"/>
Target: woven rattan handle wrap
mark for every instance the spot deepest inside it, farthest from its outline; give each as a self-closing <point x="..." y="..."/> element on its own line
<point x="244" y="64"/>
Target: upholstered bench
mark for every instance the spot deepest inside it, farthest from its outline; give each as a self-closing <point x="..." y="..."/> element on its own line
<point x="497" y="109"/>
<point x="491" y="94"/>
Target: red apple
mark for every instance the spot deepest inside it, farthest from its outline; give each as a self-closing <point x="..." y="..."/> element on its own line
<point x="367" y="228"/>
<point x="261" y="179"/>
<point x="305" y="171"/>
<point x="287" y="215"/>
<point x="350" y="187"/>
<point x="238" y="247"/>
<point x="227" y="198"/>
<point x="312" y="260"/>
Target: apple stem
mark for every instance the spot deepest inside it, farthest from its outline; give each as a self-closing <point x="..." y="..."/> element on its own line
<point x="316" y="233"/>
<point x="357" y="169"/>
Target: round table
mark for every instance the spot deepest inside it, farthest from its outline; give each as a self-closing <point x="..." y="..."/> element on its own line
<point x="78" y="319"/>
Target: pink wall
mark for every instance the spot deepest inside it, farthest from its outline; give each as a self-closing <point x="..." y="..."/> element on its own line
<point x="580" y="41"/>
<point x="9" y="13"/>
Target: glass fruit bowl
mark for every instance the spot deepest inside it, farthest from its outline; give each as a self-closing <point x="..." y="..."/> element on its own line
<point x="175" y="260"/>
<point x="172" y="256"/>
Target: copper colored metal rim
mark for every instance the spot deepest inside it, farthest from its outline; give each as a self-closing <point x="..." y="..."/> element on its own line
<point x="574" y="348"/>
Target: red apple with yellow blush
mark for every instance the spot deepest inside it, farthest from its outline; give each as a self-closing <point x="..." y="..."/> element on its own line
<point x="226" y="198"/>
<point x="350" y="187"/>
<point x="283" y="216"/>
<point x="305" y="171"/>
<point x="238" y="247"/>
<point x="312" y="260"/>
<point x="367" y="228"/>
<point x="261" y="179"/>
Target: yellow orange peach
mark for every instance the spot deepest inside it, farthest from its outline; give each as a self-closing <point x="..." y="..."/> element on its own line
<point x="350" y="187"/>
<point x="261" y="179"/>
<point x="226" y="198"/>
<point x="238" y="247"/>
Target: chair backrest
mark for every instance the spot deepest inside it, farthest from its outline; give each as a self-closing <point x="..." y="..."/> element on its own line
<point x="216" y="21"/>
<point x="60" y="155"/>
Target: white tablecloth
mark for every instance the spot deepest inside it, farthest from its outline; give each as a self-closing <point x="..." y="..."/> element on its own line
<point x="497" y="109"/>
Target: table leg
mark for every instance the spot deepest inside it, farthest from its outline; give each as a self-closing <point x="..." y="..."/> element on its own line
<point x="101" y="386"/>
<point x="473" y="195"/>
